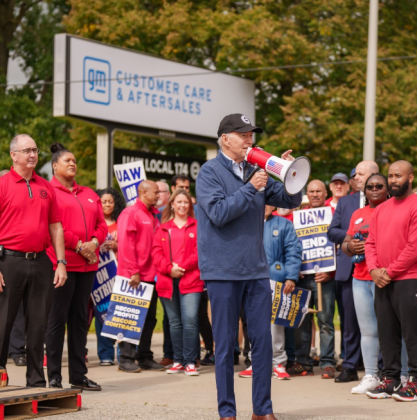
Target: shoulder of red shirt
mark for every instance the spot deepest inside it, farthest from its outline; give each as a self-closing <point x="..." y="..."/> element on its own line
<point x="139" y="204"/>
<point x="168" y="225"/>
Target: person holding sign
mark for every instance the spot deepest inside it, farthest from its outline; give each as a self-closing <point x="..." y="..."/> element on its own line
<point x="136" y="230"/>
<point x="178" y="283"/>
<point x="316" y="253"/>
<point x="232" y="259"/>
<point x="84" y="230"/>
<point x="376" y="192"/>
<point x="392" y="262"/>
<point x="113" y="204"/>
<point x="283" y="251"/>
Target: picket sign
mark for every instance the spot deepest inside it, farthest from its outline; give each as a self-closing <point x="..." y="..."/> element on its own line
<point x="129" y="176"/>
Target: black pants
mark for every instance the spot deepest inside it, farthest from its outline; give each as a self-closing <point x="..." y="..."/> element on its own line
<point x="69" y="306"/>
<point x="128" y="351"/>
<point x="17" y="335"/>
<point x="351" y="330"/>
<point x="396" y="313"/>
<point x="204" y="323"/>
<point x="30" y="281"/>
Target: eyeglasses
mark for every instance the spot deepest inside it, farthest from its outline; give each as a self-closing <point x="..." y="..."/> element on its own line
<point x="34" y="150"/>
<point x="375" y="186"/>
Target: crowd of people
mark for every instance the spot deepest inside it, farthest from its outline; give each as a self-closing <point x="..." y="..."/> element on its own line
<point x="51" y="234"/>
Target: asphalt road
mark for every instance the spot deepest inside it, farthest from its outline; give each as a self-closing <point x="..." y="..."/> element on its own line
<point x="156" y="395"/>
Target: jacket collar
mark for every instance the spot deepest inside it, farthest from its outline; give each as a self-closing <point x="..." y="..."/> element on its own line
<point x="169" y="224"/>
<point x="228" y="164"/>
<point x="142" y="206"/>
<point x="75" y="188"/>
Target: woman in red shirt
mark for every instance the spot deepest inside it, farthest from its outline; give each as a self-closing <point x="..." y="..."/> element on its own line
<point x="82" y="218"/>
<point x="178" y="283"/>
<point x="376" y="191"/>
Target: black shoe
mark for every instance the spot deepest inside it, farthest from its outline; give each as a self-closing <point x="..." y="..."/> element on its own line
<point x="290" y="364"/>
<point x="128" y="367"/>
<point x="87" y="385"/>
<point x="347" y="375"/>
<point x="388" y="387"/>
<point x="20" y="360"/>
<point x="248" y="362"/>
<point x="55" y="383"/>
<point x="150" y="365"/>
<point x="297" y="369"/>
<point x="208" y="359"/>
<point x="236" y="359"/>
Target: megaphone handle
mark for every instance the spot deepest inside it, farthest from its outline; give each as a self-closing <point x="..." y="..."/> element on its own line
<point x="262" y="188"/>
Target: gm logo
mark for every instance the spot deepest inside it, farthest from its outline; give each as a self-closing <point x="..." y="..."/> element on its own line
<point x="96" y="82"/>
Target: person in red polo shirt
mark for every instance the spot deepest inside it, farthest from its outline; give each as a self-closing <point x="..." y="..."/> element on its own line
<point x="84" y="230"/>
<point x="136" y="229"/>
<point x="29" y="220"/>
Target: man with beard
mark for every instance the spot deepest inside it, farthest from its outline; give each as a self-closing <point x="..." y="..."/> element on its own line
<point x="392" y="262"/>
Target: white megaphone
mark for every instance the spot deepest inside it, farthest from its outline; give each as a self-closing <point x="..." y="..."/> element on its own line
<point x="293" y="173"/>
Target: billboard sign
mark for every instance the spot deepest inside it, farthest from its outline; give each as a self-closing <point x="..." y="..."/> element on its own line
<point x="101" y="82"/>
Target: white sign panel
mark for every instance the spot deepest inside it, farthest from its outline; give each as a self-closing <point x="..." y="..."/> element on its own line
<point x="114" y="84"/>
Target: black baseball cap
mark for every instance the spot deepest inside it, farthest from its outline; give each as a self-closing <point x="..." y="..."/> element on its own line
<point x="236" y="122"/>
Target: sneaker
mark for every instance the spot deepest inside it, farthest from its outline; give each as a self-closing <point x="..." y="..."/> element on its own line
<point x="407" y="393"/>
<point x="191" y="370"/>
<point x="208" y="359"/>
<point x="246" y="373"/>
<point x="45" y="362"/>
<point x="280" y="372"/>
<point x="299" y="370"/>
<point x="128" y="367"/>
<point x="106" y="363"/>
<point x="176" y="368"/>
<point x="385" y="390"/>
<point x="368" y="383"/>
<point x="328" y="372"/>
<point x="404" y="380"/>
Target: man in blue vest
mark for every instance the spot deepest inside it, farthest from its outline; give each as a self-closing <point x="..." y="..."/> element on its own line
<point x="232" y="259"/>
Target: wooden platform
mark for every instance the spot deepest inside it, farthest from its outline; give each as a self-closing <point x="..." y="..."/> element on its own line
<point x="3" y="377"/>
<point x="20" y="403"/>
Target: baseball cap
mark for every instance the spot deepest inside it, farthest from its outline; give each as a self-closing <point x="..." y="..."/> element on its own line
<point x="340" y="177"/>
<point x="353" y="172"/>
<point x="236" y="122"/>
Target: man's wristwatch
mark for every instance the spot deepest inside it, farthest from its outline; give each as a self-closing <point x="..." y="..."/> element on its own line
<point x="61" y="262"/>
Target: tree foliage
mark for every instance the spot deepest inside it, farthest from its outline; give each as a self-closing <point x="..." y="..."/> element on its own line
<point x="318" y="110"/>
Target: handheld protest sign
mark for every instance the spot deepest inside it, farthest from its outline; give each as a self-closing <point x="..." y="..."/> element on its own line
<point x="318" y="253"/>
<point x="103" y="283"/>
<point x="127" y="311"/>
<point x="289" y="309"/>
<point x="129" y="176"/>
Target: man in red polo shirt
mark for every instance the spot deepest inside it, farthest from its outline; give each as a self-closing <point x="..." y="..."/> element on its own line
<point x="392" y="262"/>
<point x="29" y="219"/>
<point x="136" y="228"/>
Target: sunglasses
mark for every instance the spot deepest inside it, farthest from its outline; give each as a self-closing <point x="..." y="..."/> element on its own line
<point x="378" y="187"/>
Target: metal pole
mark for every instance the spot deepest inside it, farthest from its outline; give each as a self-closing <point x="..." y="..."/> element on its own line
<point x="110" y="155"/>
<point x="369" y="135"/>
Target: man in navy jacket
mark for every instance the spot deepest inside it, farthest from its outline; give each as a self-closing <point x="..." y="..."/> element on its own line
<point x="337" y="233"/>
<point x="232" y="259"/>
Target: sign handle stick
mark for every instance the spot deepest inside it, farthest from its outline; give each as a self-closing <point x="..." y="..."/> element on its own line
<point x="319" y="298"/>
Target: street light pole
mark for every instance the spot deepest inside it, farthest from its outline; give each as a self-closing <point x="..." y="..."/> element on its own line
<point x="369" y="135"/>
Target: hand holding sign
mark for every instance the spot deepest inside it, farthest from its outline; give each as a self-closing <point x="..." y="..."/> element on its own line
<point x="134" y="280"/>
<point x="322" y="277"/>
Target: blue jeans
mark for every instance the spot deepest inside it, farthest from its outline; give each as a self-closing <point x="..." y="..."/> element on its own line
<point x="325" y="318"/>
<point x="364" y="295"/>
<point x="105" y="345"/>
<point x="182" y="311"/>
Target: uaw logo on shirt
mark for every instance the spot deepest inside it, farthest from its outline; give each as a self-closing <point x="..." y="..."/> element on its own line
<point x="43" y="194"/>
<point x="96" y="80"/>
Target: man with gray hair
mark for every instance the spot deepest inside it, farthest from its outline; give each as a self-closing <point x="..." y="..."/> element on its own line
<point x="29" y="219"/>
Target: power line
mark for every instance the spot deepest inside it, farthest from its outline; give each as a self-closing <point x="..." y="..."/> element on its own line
<point x="208" y="72"/>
